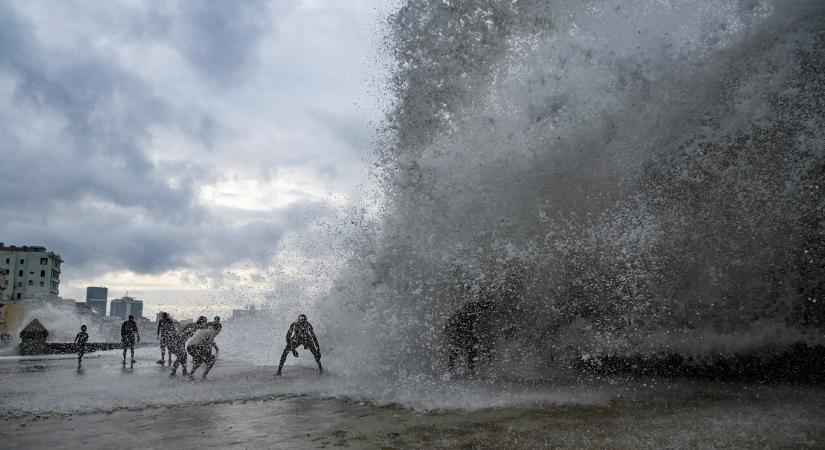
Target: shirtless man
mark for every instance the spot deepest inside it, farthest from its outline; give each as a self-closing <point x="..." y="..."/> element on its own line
<point x="301" y="333"/>
<point x="201" y="345"/>
<point x="178" y="347"/>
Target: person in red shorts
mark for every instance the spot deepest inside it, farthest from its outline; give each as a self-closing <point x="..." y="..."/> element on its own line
<point x="301" y="333"/>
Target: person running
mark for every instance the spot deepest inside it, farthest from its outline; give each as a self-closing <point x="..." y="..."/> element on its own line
<point x="179" y="344"/>
<point x="80" y="342"/>
<point x="166" y="328"/>
<point x="201" y="345"/>
<point x="128" y="336"/>
<point x="301" y="333"/>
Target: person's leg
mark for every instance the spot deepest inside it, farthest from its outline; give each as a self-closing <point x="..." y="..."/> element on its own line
<point x="132" y="350"/>
<point x="125" y="345"/>
<point x="162" y="352"/>
<point x="210" y="361"/>
<point x="184" y="359"/>
<point x="180" y="360"/>
<point x="196" y="359"/>
<point x="287" y="350"/>
<point x="317" y="354"/>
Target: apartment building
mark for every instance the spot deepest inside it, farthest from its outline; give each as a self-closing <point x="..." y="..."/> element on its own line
<point x="33" y="272"/>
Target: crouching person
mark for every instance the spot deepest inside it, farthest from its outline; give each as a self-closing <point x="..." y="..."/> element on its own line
<point x="200" y="347"/>
<point x="301" y="333"/>
<point x="177" y="345"/>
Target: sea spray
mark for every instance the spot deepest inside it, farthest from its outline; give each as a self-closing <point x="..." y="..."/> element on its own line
<point x="619" y="176"/>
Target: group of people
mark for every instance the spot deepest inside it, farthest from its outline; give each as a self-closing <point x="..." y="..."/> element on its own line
<point x="197" y="340"/>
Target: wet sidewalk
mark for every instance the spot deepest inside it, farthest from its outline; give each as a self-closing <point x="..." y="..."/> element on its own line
<point x="47" y="403"/>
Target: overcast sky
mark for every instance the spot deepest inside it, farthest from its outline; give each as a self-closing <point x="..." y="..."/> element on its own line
<point x="175" y="148"/>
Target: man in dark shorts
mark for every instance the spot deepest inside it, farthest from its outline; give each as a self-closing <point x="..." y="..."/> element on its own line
<point x="166" y="330"/>
<point x="80" y="342"/>
<point x="301" y="333"/>
<point x="201" y="345"/>
<point x="179" y="344"/>
<point x="128" y="336"/>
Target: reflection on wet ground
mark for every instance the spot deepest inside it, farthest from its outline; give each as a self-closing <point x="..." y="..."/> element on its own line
<point x="103" y="404"/>
<point x="33" y="368"/>
<point x="309" y="422"/>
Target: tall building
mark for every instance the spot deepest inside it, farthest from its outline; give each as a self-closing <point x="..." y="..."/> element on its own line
<point x="96" y="299"/>
<point x="34" y="272"/>
<point x="126" y="306"/>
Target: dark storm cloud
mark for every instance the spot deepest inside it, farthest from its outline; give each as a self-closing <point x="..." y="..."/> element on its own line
<point x="101" y="113"/>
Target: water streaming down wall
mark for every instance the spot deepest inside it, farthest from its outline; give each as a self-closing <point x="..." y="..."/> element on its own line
<point x="619" y="176"/>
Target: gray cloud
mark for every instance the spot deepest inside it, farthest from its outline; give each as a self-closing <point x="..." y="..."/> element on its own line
<point x="86" y="169"/>
<point x="220" y="38"/>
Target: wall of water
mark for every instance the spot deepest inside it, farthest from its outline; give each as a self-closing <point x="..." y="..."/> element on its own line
<point x="619" y="176"/>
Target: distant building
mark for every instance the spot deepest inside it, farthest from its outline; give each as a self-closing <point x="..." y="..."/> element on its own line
<point x="83" y="309"/>
<point x="251" y="312"/>
<point x="33" y="272"/>
<point x="4" y="281"/>
<point x="126" y="306"/>
<point x="96" y="299"/>
<point x="98" y="306"/>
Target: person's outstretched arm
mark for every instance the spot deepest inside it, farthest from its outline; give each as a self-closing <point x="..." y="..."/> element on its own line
<point x="77" y="338"/>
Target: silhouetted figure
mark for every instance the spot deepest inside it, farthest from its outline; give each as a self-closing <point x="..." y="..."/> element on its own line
<point x="462" y="333"/>
<point x="201" y="345"/>
<point x="128" y="336"/>
<point x="301" y="333"/>
<point x="166" y="330"/>
<point x="80" y="342"/>
<point x="179" y="344"/>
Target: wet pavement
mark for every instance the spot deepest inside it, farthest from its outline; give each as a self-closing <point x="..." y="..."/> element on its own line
<point x="111" y="406"/>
